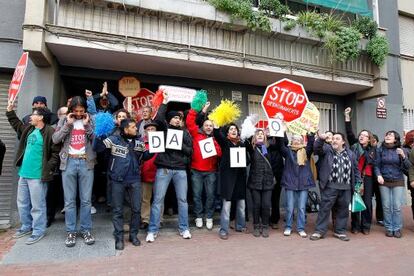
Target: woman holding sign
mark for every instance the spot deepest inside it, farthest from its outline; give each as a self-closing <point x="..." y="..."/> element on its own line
<point x="297" y="179"/>
<point x="232" y="177"/>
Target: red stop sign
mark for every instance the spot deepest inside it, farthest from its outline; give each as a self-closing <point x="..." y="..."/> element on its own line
<point x="286" y="97"/>
<point x="142" y="99"/>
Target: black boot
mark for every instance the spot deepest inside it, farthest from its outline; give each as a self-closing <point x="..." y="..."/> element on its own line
<point x="119" y="244"/>
<point x="256" y="231"/>
<point x="265" y="231"/>
<point x="134" y="240"/>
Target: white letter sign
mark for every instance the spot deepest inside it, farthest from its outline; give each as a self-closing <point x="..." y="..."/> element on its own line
<point x="237" y="157"/>
<point x="156" y="141"/>
<point x="276" y="128"/>
<point x="207" y="148"/>
<point x="174" y="139"/>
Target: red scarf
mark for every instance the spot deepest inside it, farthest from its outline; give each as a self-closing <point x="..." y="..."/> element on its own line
<point x="235" y="141"/>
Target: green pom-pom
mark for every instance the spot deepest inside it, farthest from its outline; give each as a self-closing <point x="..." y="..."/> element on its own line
<point x="199" y="100"/>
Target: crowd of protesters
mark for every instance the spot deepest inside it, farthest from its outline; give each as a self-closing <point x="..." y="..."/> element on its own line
<point x="62" y="152"/>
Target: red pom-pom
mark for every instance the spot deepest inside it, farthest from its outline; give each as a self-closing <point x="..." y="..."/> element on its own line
<point x="158" y="99"/>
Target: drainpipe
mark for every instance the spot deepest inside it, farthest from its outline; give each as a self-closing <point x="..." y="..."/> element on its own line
<point x="56" y="12"/>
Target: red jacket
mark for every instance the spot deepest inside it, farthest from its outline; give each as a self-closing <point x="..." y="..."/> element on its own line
<point x="148" y="169"/>
<point x="198" y="163"/>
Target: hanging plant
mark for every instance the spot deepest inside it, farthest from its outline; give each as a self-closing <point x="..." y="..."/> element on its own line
<point x="377" y="49"/>
<point x="242" y="9"/>
<point x="290" y="24"/>
<point x="344" y="44"/>
<point x="273" y="8"/>
<point x="366" y="26"/>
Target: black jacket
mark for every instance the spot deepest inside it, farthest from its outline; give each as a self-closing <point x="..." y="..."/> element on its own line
<point x="260" y="174"/>
<point x="326" y="153"/>
<point x="125" y="157"/>
<point x="173" y="159"/>
<point x="50" y="150"/>
<point x="2" y="153"/>
<point x="231" y="181"/>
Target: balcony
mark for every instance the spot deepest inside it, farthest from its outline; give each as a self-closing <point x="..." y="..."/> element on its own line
<point x="190" y="38"/>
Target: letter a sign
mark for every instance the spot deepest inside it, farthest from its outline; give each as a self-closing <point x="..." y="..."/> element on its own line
<point x="18" y="75"/>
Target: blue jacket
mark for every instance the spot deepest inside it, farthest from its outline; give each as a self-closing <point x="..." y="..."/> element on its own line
<point x="297" y="177"/>
<point x="125" y="157"/>
<point x="390" y="165"/>
<point x="326" y="154"/>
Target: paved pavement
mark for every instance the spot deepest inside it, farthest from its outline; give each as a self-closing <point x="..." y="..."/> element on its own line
<point x="242" y="254"/>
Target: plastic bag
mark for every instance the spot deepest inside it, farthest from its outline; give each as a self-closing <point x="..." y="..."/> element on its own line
<point x="358" y="204"/>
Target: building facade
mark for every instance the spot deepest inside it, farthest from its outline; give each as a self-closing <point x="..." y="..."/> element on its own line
<point x="78" y="44"/>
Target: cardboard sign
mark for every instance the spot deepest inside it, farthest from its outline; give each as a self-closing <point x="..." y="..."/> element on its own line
<point x="178" y="94"/>
<point x="129" y="86"/>
<point x="207" y="148"/>
<point x="156" y="141"/>
<point x="308" y="122"/>
<point x="18" y="76"/>
<point x="276" y="128"/>
<point x="286" y="97"/>
<point x="174" y="139"/>
<point x="237" y="157"/>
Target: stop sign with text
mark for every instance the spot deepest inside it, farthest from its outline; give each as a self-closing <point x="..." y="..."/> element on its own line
<point x="18" y="75"/>
<point x="286" y="97"/>
<point x="142" y="99"/>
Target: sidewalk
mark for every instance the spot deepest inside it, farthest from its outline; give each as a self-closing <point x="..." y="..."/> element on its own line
<point x="242" y="254"/>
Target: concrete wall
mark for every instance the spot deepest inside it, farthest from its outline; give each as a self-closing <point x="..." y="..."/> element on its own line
<point x="11" y="34"/>
<point x="366" y="110"/>
<point x="406" y="6"/>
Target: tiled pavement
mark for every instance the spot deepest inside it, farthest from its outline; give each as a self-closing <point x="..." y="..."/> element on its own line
<point x="242" y="254"/>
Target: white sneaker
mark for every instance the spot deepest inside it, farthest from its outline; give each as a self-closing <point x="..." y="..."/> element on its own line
<point x="199" y="222"/>
<point x="151" y="237"/>
<point x="209" y="224"/>
<point x="303" y="234"/>
<point x="287" y="232"/>
<point x="186" y="234"/>
<point x="93" y="210"/>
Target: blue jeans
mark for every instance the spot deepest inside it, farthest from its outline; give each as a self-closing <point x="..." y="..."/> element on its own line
<point x="208" y="181"/>
<point x="31" y="203"/>
<point x="300" y="198"/>
<point x="391" y="204"/>
<point x="162" y="180"/>
<point x="225" y="216"/>
<point x="77" y="175"/>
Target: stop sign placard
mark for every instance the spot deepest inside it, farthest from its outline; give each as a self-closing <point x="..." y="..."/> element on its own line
<point x="140" y="100"/>
<point x="286" y="97"/>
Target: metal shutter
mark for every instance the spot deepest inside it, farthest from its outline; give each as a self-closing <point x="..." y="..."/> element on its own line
<point x="8" y="136"/>
<point x="408" y="119"/>
<point x="406" y="35"/>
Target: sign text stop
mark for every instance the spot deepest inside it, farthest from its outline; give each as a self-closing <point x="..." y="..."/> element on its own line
<point x="139" y="101"/>
<point x="286" y="97"/>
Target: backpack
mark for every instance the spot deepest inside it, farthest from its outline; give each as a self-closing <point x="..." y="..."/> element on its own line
<point x="312" y="205"/>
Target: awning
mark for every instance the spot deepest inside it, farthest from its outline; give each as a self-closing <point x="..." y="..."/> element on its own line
<point x="353" y="6"/>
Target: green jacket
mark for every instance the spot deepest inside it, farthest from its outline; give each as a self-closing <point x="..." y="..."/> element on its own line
<point x="50" y="150"/>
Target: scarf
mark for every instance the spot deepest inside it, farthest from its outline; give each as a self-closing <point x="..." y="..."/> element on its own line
<point x="301" y="154"/>
<point x="388" y="146"/>
<point x="262" y="148"/>
<point x="235" y="141"/>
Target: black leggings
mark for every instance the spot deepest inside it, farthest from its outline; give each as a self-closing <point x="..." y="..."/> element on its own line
<point x="262" y="202"/>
